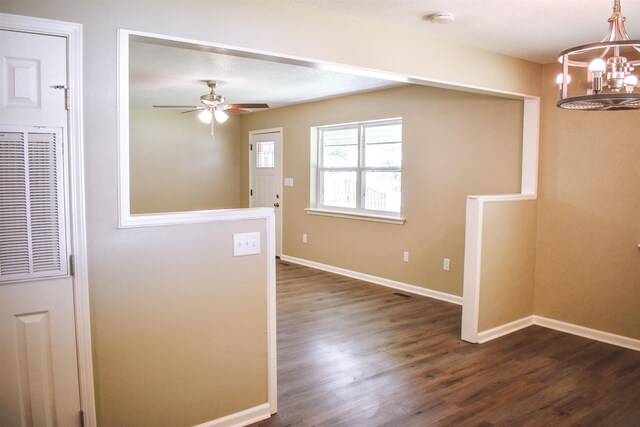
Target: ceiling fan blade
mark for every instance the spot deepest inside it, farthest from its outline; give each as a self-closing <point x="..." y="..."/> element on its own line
<point x="180" y="107"/>
<point x="236" y="106"/>
<point x="190" y="111"/>
<point x="235" y="110"/>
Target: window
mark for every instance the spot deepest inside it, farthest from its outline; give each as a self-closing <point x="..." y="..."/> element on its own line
<point x="264" y="154"/>
<point x="360" y="167"/>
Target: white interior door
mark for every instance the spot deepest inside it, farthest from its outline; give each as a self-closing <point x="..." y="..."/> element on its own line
<point x="266" y="175"/>
<point x="38" y="362"/>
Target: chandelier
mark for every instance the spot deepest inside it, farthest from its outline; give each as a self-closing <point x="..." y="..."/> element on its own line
<point x="602" y="72"/>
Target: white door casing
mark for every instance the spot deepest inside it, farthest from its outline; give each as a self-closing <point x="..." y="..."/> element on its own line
<point x="265" y="175"/>
<point x="38" y="364"/>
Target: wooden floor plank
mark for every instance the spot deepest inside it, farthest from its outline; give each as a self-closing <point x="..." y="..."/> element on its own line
<point x="352" y="354"/>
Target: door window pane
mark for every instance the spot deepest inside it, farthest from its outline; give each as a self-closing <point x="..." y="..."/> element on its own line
<point x="382" y="191"/>
<point x="339" y="189"/>
<point x="264" y="154"/>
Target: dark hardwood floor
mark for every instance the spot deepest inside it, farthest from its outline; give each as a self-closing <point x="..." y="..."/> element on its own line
<point x="352" y="354"/>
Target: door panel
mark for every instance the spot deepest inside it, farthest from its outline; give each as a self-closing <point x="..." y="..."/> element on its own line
<point x="38" y="360"/>
<point x="29" y="68"/>
<point x="266" y="176"/>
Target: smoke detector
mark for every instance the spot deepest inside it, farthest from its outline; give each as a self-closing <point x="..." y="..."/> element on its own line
<point x="439" y="18"/>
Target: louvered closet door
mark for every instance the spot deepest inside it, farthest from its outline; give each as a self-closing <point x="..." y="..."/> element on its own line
<point x="32" y="217"/>
<point x="38" y="362"/>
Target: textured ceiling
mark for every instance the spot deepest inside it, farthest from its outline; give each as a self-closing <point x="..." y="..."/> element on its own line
<point x="536" y="30"/>
<point x="168" y="75"/>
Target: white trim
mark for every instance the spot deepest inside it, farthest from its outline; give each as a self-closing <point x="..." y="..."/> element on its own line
<point x="356" y="215"/>
<point x="583" y="331"/>
<point x="471" y="275"/>
<point x="240" y="419"/>
<point x="280" y="187"/>
<point x="122" y="122"/>
<point x="507" y="328"/>
<point x="473" y="259"/>
<point x="530" y="146"/>
<point x="418" y="290"/>
<point x="504" y="198"/>
<point x="193" y="217"/>
<point x="569" y="328"/>
<point x="272" y="356"/>
<point x="73" y="33"/>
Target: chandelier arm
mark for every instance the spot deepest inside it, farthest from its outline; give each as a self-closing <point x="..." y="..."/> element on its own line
<point x="610" y="34"/>
<point x="622" y="31"/>
<point x="605" y="52"/>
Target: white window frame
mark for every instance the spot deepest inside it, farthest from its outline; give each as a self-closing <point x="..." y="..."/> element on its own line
<point x="317" y="206"/>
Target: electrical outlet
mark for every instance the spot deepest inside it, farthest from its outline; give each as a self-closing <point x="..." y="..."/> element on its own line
<point x="405" y="256"/>
<point x="304" y="238"/>
<point x="446" y="264"/>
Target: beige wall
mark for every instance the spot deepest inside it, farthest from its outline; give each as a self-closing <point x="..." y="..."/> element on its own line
<point x="179" y="326"/>
<point x="588" y="263"/>
<point x="508" y="262"/>
<point x="455" y="144"/>
<point x="130" y="283"/>
<point x="175" y="166"/>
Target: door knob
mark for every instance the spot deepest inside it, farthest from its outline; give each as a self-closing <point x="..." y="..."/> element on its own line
<point x="276" y="205"/>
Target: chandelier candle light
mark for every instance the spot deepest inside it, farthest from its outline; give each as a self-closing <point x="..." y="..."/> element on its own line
<point x="603" y="78"/>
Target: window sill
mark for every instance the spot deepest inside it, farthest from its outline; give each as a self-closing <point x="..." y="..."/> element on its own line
<point x="358" y="216"/>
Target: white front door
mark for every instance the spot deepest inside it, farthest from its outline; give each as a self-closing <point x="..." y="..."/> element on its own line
<point x="38" y="360"/>
<point x="266" y="175"/>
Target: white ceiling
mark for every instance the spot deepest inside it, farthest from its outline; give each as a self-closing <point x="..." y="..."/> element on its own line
<point x="166" y="73"/>
<point x="169" y="75"/>
<point x="536" y="30"/>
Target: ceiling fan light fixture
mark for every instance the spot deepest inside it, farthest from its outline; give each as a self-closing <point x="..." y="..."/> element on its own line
<point x="205" y="116"/>
<point x="220" y="115"/>
<point x="602" y="71"/>
<point x="439" y="18"/>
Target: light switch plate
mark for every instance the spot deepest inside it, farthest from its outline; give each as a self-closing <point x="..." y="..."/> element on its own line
<point x="246" y="244"/>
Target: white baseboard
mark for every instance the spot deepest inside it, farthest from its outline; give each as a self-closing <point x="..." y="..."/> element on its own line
<point x="377" y="280"/>
<point x="488" y="335"/>
<point x="594" y="334"/>
<point x="507" y="328"/>
<point x="569" y="328"/>
<point x="242" y="418"/>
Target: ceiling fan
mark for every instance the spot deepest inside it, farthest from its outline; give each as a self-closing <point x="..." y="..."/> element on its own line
<point x="214" y="108"/>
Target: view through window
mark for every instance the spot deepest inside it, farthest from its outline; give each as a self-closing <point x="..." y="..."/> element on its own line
<point x="360" y="167"/>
